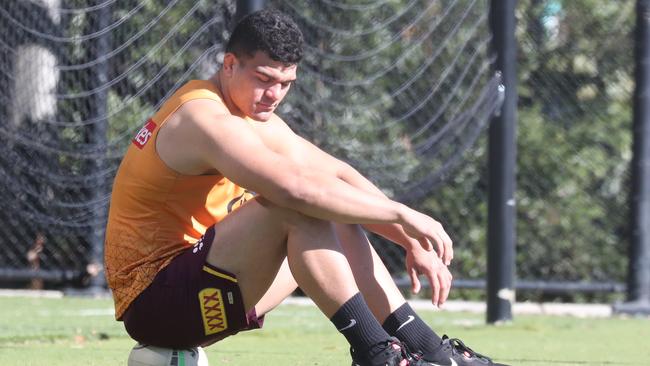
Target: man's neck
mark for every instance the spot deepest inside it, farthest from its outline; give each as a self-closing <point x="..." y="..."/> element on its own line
<point x="222" y="87"/>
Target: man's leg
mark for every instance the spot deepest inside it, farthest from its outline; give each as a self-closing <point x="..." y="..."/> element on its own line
<point x="253" y="241"/>
<point x="389" y="306"/>
<point x="382" y="295"/>
<point x="282" y="287"/>
<point x="379" y="290"/>
<point x="370" y="273"/>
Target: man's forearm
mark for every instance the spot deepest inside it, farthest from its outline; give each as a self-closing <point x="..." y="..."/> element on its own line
<point x="327" y="197"/>
<point x="392" y="232"/>
<point x="354" y="178"/>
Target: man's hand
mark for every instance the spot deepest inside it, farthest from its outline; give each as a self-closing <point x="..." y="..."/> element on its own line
<point x="422" y="262"/>
<point x="428" y="231"/>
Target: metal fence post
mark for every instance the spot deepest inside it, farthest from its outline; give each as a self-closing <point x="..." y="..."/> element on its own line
<point x="245" y="7"/>
<point x="502" y="160"/>
<point x="638" y="288"/>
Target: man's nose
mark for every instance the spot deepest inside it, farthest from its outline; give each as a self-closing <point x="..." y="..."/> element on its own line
<point x="273" y="91"/>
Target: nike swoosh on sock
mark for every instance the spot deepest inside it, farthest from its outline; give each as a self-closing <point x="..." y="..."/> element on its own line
<point x="410" y="319"/>
<point x="352" y="324"/>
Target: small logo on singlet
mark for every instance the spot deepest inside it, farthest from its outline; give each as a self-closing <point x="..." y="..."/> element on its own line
<point x="144" y="134"/>
<point x="240" y="200"/>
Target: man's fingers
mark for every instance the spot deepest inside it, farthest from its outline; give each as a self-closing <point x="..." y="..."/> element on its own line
<point x="434" y="238"/>
<point x="445" y="288"/>
<point x="449" y="249"/>
<point x="444" y="242"/>
<point x="415" y="281"/>
<point x="449" y="254"/>
<point x="426" y="244"/>
<point x="435" y="289"/>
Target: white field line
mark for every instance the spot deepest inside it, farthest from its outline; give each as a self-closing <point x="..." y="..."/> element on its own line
<point x="520" y="308"/>
<point x="577" y="310"/>
<point x="48" y="294"/>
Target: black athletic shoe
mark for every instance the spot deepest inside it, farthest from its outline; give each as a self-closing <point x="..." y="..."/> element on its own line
<point x="453" y="352"/>
<point x="388" y="353"/>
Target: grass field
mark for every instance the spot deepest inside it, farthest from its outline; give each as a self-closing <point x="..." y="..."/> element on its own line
<point x="81" y="331"/>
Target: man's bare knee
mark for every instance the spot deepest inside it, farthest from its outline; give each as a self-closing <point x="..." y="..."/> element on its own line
<point x="349" y="229"/>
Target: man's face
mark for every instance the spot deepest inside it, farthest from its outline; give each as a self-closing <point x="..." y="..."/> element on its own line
<point x="258" y="84"/>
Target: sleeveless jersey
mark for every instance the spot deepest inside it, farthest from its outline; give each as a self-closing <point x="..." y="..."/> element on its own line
<point x="155" y="212"/>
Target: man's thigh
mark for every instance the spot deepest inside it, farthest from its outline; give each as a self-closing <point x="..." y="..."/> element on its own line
<point x="251" y="243"/>
<point x="189" y="303"/>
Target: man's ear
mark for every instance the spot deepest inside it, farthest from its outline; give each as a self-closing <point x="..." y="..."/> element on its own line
<point x="229" y="62"/>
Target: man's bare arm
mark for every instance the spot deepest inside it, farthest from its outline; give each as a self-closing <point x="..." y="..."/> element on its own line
<point x="230" y="145"/>
<point x="307" y="153"/>
<point x="418" y="260"/>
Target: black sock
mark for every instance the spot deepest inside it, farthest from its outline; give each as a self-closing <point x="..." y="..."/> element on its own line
<point x="359" y="326"/>
<point x="409" y="328"/>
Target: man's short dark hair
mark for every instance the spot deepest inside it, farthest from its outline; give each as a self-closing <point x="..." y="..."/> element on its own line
<point x="270" y="31"/>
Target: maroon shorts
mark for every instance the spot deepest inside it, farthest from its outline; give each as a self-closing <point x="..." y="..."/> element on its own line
<point x="189" y="303"/>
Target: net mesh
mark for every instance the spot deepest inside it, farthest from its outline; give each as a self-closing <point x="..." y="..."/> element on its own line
<point x="77" y="79"/>
<point x="575" y="113"/>
<point x="400" y="89"/>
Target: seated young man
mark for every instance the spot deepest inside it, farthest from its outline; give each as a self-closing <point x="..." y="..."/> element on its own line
<point x="192" y="256"/>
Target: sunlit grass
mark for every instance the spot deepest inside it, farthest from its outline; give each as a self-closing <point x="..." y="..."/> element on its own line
<point x="81" y="331"/>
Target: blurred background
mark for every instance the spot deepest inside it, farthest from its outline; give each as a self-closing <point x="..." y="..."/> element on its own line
<point x="404" y="90"/>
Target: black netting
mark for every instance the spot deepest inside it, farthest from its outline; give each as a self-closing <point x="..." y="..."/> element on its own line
<point x="77" y="78"/>
<point x="575" y="108"/>
<point x="403" y="90"/>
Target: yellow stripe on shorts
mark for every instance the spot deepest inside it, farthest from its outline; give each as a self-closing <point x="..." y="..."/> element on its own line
<point x="219" y="274"/>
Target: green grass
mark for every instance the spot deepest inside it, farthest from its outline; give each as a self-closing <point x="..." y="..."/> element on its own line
<point x="79" y="331"/>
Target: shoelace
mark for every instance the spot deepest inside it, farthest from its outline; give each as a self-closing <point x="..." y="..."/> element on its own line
<point x="386" y="345"/>
<point x="411" y="358"/>
<point x="458" y="346"/>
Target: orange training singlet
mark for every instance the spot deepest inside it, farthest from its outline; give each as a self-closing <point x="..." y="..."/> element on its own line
<point x="156" y="212"/>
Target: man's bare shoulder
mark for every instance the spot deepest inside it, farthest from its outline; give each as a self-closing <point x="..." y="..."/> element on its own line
<point x="279" y="121"/>
<point x="277" y="135"/>
<point x="202" y="128"/>
<point x="204" y="116"/>
<point x="203" y="109"/>
<point x="274" y="125"/>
